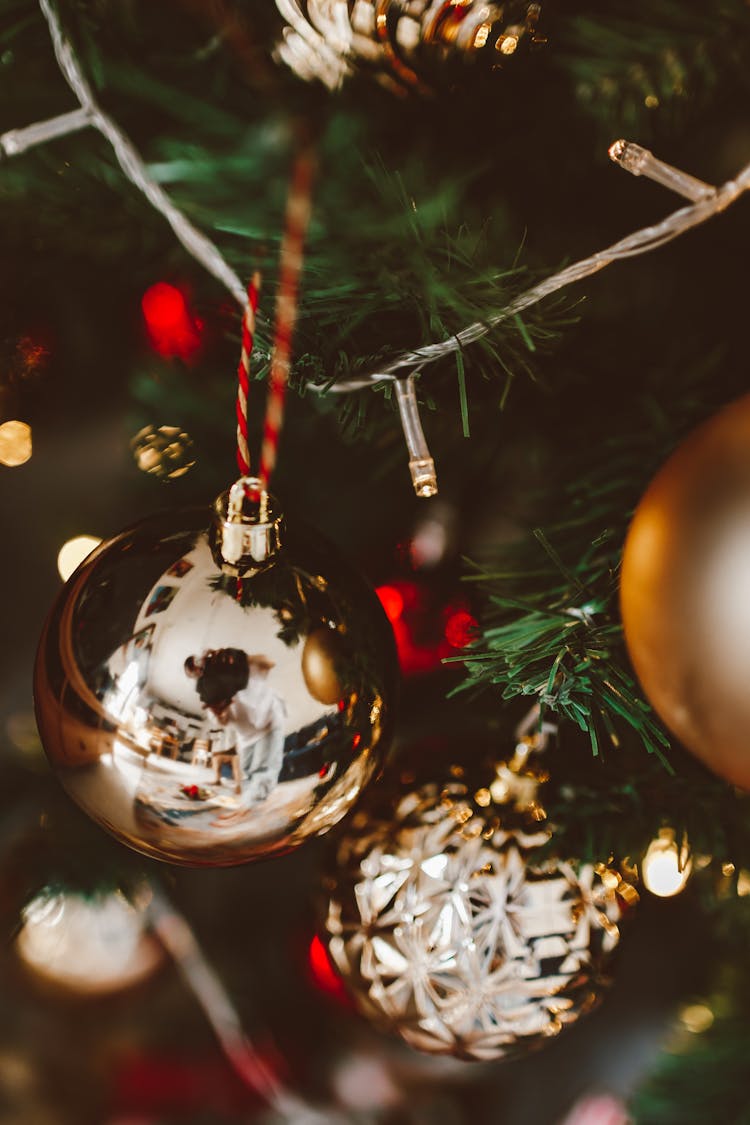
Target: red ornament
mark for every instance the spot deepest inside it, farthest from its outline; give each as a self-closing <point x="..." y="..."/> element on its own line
<point x="172" y="328"/>
<point x="460" y="627"/>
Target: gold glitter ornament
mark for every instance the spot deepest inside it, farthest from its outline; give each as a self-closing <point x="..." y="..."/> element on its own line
<point x="451" y="928"/>
<point x="684" y="592"/>
<point x="403" y="43"/>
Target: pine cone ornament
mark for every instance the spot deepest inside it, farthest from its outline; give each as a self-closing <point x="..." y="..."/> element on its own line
<point x="405" y="44"/>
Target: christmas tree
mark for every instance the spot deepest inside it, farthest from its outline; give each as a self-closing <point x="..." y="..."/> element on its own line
<point x="493" y="338"/>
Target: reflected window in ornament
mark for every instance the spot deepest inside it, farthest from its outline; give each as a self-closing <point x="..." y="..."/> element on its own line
<point x="163" y="451"/>
<point x="15" y="443"/>
<point x="72" y="554"/>
<point x="666" y="868"/>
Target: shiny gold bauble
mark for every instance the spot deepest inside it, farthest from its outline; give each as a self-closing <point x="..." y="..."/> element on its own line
<point x="172" y="697"/>
<point x="685" y="593"/>
<point x="454" y="924"/>
<point x="323" y="651"/>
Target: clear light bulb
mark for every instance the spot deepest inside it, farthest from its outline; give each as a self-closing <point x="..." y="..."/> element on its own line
<point x="666" y="868"/>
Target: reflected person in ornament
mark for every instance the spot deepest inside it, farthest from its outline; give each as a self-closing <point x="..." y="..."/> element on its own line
<point x="235" y="687"/>
<point x="219" y="674"/>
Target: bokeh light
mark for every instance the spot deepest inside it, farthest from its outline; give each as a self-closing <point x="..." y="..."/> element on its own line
<point x="392" y="601"/>
<point x="163" y="451"/>
<point x="15" y="443"/>
<point x="172" y="329"/>
<point x="696" y="1018"/>
<point x="72" y="554"/>
<point x="666" y="868"/>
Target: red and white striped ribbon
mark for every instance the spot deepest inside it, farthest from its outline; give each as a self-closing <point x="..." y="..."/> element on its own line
<point x="243" y="375"/>
<point x="292" y="248"/>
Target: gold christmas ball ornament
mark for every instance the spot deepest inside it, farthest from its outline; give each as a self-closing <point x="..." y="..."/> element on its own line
<point x="685" y="593"/>
<point x="185" y="678"/>
<point x="451" y="928"/>
<point x="405" y="44"/>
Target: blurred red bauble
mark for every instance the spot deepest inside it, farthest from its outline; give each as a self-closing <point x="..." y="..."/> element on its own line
<point x="172" y="329"/>
<point x="427" y="631"/>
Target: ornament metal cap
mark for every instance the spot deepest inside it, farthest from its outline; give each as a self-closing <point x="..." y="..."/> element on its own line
<point x="246" y="530"/>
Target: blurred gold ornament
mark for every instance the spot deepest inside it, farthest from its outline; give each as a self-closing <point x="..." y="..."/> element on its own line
<point x="666" y="867"/>
<point x="454" y="924"/>
<point x="685" y="593"/>
<point x="404" y="43"/>
<point x="163" y="451"/>
<point x="15" y="443"/>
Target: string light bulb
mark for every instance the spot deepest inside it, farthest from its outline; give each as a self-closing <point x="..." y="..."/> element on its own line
<point x="666" y="868"/>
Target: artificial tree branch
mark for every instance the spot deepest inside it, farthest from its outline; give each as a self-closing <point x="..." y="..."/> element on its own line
<point x="711" y="202"/>
<point x="195" y="242"/>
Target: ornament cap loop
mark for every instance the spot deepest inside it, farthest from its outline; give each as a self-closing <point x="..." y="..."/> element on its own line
<point x="247" y="528"/>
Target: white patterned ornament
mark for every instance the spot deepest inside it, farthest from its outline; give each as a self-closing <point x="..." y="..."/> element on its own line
<point x="451" y="929"/>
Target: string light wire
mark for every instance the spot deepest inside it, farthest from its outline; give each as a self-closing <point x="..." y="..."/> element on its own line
<point x="640" y="242"/>
<point x="179" y="940"/>
<point x="194" y="241"/>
